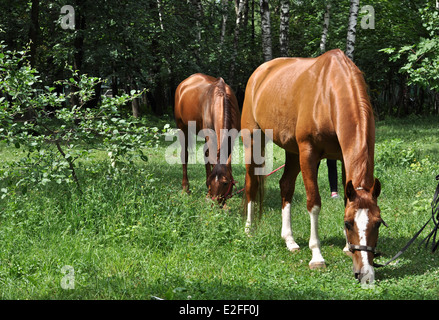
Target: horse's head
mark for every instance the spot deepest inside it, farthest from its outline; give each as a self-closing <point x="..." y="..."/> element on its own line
<point x="362" y="221"/>
<point x="220" y="182"/>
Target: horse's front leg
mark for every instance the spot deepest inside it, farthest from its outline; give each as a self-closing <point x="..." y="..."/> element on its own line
<point x="184" y="159"/>
<point x="207" y="159"/>
<point x="287" y="186"/>
<point x="308" y="164"/>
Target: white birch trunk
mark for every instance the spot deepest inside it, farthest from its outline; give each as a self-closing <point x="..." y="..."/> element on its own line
<point x="350" y="41"/>
<point x="159" y="7"/>
<point x="240" y="6"/>
<point x="224" y="23"/>
<point x="284" y="27"/>
<point x="266" y="30"/>
<point x="198" y="15"/>
<point x="325" y="29"/>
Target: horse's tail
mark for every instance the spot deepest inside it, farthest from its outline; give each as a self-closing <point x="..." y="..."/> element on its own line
<point x="255" y="172"/>
<point x="259" y="200"/>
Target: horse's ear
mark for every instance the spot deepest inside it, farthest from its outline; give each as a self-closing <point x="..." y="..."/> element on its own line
<point x="376" y="190"/>
<point x="350" y="191"/>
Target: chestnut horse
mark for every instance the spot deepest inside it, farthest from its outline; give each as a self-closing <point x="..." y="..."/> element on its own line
<point x="212" y="105"/>
<point x="317" y="108"/>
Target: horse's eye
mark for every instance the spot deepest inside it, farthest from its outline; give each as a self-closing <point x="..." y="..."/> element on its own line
<point x="348" y="225"/>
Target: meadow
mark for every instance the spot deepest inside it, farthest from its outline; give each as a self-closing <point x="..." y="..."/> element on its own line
<point x="134" y="235"/>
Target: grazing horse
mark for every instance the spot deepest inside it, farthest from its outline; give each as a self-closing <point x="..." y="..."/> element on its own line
<point x="317" y="108"/>
<point x="212" y="105"/>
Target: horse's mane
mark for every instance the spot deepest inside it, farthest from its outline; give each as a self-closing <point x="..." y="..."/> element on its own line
<point x="230" y="116"/>
<point x="365" y="161"/>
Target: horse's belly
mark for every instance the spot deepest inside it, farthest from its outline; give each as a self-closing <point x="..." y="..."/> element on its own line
<point x="286" y="139"/>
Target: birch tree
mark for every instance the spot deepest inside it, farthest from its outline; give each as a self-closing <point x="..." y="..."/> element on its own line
<point x="240" y="9"/>
<point x="325" y="29"/>
<point x="284" y="27"/>
<point x="224" y="8"/>
<point x="350" y="41"/>
<point x="198" y="16"/>
<point x="267" y="50"/>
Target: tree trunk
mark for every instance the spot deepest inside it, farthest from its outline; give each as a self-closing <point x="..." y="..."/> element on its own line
<point x="253" y="21"/>
<point x="266" y="30"/>
<point x="78" y="44"/>
<point x="198" y="16"/>
<point x="34" y="31"/>
<point x="284" y="27"/>
<point x="224" y="9"/>
<point x="402" y="97"/>
<point x="135" y="106"/>
<point x="350" y="41"/>
<point x="114" y="88"/>
<point x="159" y="7"/>
<point x="325" y="29"/>
<point x="239" y="9"/>
<point x="94" y="100"/>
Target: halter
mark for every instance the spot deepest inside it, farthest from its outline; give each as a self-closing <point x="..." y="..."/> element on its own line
<point x="354" y="247"/>
<point x="227" y="195"/>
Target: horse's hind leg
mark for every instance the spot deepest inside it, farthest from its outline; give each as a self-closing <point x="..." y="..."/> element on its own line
<point x="308" y="165"/>
<point x="208" y="159"/>
<point x="251" y="189"/>
<point x="184" y="159"/>
<point x="287" y="186"/>
<point x="254" y="183"/>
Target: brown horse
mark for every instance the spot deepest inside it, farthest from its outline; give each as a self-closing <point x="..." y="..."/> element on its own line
<point x="211" y="104"/>
<point x="317" y="108"/>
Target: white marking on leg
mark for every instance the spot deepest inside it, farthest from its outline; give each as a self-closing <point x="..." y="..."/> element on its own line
<point x="314" y="241"/>
<point x="248" y="223"/>
<point x="287" y="233"/>
<point x="362" y="219"/>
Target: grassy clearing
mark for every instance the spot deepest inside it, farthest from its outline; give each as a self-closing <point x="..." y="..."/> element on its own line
<point x="133" y="235"/>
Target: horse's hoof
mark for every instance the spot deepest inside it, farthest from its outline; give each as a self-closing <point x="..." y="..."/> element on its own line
<point x="292" y="246"/>
<point x="317" y="265"/>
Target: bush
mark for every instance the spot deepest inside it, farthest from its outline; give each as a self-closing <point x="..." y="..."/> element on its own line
<point x="54" y="137"/>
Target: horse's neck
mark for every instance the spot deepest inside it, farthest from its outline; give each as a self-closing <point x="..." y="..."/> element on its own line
<point x="358" y="156"/>
<point x="359" y="168"/>
<point x="223" y="127"/>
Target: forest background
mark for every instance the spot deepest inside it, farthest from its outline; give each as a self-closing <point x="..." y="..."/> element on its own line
<point x="86" y="98"/>
<point x="155" y="44"/>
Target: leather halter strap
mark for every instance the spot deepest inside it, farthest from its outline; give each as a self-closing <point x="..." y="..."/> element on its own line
<point x="355" y="247"/>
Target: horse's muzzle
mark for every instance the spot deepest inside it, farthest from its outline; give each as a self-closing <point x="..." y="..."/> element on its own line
<point x="365" y="275"/>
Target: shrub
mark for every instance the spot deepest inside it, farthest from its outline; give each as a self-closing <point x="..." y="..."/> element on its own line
<point x="34" y="118"/>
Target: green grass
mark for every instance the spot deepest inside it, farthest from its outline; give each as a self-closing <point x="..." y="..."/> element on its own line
<point x="135" y="235"/>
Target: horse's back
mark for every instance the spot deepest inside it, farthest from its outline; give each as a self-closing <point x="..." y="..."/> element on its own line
<point x="197" y="99"/>
<point x="189" y="97"/>
<point x="298" y="98"/>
